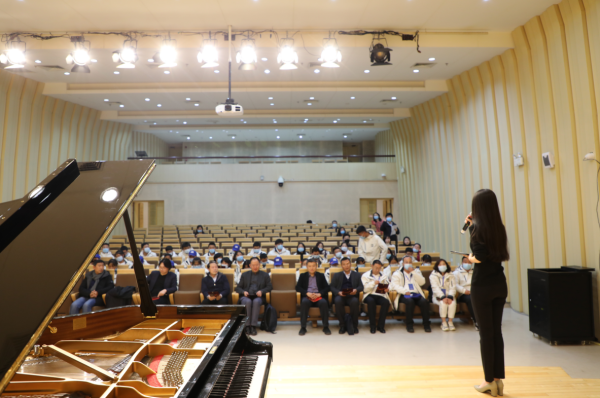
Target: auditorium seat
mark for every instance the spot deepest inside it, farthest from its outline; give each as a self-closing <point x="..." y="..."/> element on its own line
<point x="283" y="294"/>
<point x="190" y="285"/>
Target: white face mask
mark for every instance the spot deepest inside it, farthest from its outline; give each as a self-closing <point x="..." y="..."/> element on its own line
<point x="119" y="258"/>
<point x="146" y="249"/>
<point x="187" y="251"/>
<point x="442" y="268"/>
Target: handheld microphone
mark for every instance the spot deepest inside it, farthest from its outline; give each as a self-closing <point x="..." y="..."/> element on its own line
<point x="466" y="226"/>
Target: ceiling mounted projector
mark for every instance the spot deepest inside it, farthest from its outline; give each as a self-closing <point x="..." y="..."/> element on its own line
<point x="229" y="109"/>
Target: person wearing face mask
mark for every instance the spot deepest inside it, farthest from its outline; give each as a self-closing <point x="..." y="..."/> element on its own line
<point x="377" y="221"/>
<point x="121" y="260"/>
<point x="341" y="231"/>
<point x="256" y="249"/>
<point x="390" y="228"/>
<point x="218" y="257"/>
<point x="236" y="247"/>
<point x="360" y="263"/>
<point x="443" y="285"/>
<point x="316" y="255"/>
<point x="237" y="259"/>
<point x="334" y="225"/>
<point x="105" y="251"/>
<point x="409" y="252"/>
<point x="279" y="250"/>
<point x="198" y="231"/>
<point x="126" y="253"/>
<point x="197" y="263"/>
<point x="346" y="249"/>
<point x="371" y="280"/>
<point x="322" y="252"/>
<point x="189" y="260"/>
<point x="303" y="264"/>
<point x="333" y="263"/>
<point x="186" y="247"/>
<point x="407" y="282"/>
<point x="264" y="260"/>
<point x="417" y="251"/>
<point x="301" y="250"/>
<point x="463" y="275"/>
<point x="216" y="283"/>
<point x="370" y="246"/>
<point x="277" y="263"/>
<point x="169" y="250"/>
<point x="146" y="252"/>
<point x="210" y="253"/>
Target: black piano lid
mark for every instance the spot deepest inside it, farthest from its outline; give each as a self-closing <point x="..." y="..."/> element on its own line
<point x="47" y="247"/>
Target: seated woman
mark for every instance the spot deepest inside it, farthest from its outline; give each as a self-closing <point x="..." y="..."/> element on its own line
<point x="197" y="263"/>
<point x="360" y="263"/>
<point x="346" y="251"/>
<point x="237" y="259"/>
<point x="341" y="231"/>
<point x="417" y="251"/>
<point x="375" y="295"/>
<point x="198" y="231"/>
<point x="443" y="285"/>
<point x="406" y="241"/>
<point x="162" y="282"/>
<point x="322" y="252"/>
<point x="300" y="250"/>
<point x="215" y="286"/>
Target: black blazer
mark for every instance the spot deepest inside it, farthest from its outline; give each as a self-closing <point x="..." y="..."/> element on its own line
<point x="170" y="281"/>
<point x="338" y="280"/>
<point x="264" y="284"/>
<point x="302" y="285"/>
<point x="105" y="284"/>
<point x="221" y="285"/>
<point x="387" y="230"/>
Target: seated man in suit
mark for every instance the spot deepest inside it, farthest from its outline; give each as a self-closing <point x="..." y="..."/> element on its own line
<point x="341" y="284"/>
<point x="97" y="282"/>
<point x="253" y="288"/>
<point x="313" y="289"/>
<point x="162" y="282"/>
<point x="215" y="282"/>
<point x="407" y="282"/>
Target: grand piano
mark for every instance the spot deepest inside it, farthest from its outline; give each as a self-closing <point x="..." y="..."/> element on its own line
<point x="47" y="241"/>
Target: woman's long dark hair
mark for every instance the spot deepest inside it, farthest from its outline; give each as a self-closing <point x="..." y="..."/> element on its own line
<point x="488" y="228"/>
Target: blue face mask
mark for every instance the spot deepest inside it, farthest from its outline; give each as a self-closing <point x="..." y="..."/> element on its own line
<point x="211" y="251"/>
<point x="119" y="258"/>
<point x="300" y="250"/>
<point x="376" y="217"/>
<point x="147" y="249"/>
<point x="334" y="225"/>
<point x="264" y="264"/>
<point x="467" y="266"/>
<point x="338" y="255"/>
<point x="219" y="260"/>
<point x="342" y="232"/>
<point x="407" y="266"/>
<point x="389" y="219"/>
<point x="344" y="249"/>
<point x="105" y="250"/>
<point x="388" y="256"/>
<point x="280" y="247"/>
<point x="256" y="250"/>
<point x="240" y="259"/>
<point x="199" y="231"/>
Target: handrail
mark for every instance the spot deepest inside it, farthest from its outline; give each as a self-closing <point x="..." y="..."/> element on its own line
<point x="257" y="157"/>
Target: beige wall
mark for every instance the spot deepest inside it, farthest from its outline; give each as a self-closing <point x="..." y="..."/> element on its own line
<point x="540" y="97"/>
<point x="234" y="194"/>
<point x="37" y="133"/>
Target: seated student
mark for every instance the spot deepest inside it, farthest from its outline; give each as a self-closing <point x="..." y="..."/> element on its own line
<point x="253" y="288"/>
<point x="188" y="260"/>
<point x="142" y="260"/>
<point x="186" y="247"/>
<point x="360" y="262"/>
<point x="406" y="241"/>
<point x="389" y="254"/>
<point x="390" y="228"/>
<point x="343" y="282"/>
<point x="210" y="253"/>
<point x="346" y="249"/>
<point x="264" y="260"/>
<point x="463" y="276"/>
<point x="316" y="254"/>
<point x="215" y="282"/>
<point x="313" y="289"/>
<point x="303" y="265"/>
<point x="278" y="263"/>
<point x="341" y="231"/>
<point x="417" y="251"/>
<point x="426" y="260"/>
<point x="443" y="285"/>
<point x="96" y="283"/>
<point x="112" y="264"/>
<point x="237" y="259"/>
<point x="121" y="260"/>
<point x="409" y="252"/>
<point x="219" y="259"/>
<point x="333" y="263"/>
<point x="126" y="252"/>
<point x="146" y="252"/>
<point x="388" y="241"/>
<point x="257" y="249"/>
<point x="334" y="225"/>
<point x="162" y="282"/>
<point x="322" y="252"/>
<point x="371" y="280"/>
<point x="198" y="231"/>
<point x="336" y="253"/>
<point x="407" y="282"/>
<point x="346" y="238"/>
<point x="197" y="263"/>
<point x="301" y="250"/>
<point x="235" y="248"/>
<point x="105" y="251"/>
<point x="279" y="250"/>
<point x="169" y="250"/>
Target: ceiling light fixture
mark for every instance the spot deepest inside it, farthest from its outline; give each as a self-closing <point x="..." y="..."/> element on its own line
<point x="126" y="57"/>
<point x="309" y="104"/>
<point x="380" y="53"/>
<point x="264" y="59"/>
<point x="270" y="98"/>
<point x="431" y="59"/>
<point x="167" y="72"/>
<point x="116" y="72"/>
<point x="209" y="56"/>
<point x="14" y="55"/>
<point x="37" y="61"/>
<point x="210" y="138"/>
<point x="331" y="54"/>
<point x="67" y="73"/>
<point x="416" y="71"/>
<point x="287" y="57"/>
<point x="277" y="137"/>
<point x="393" y="98"/>
<point x="367" y="71"/>
<point x="167" y="54"/>
<point x="246" y="57"/>
<point x="352" y="97"/>
<point x="311" y="98"/>
<point x="267" y="71"/>
<point x="147" y="99"/>
<point x="216" y="71"/>
<point x="106" y="100"/>
<point x="317" y="71"/>
<point x="159" y="105"/>
<point x="80" y="56"/>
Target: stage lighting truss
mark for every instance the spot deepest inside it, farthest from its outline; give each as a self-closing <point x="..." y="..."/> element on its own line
<point x="209" y="56"/>
<point x="380" y="53"/>
<point x="126" y="57"/>
<point x="331" y="55"/>
<point x="287" y="57"/>
<point x="80" y="57"/>
<point x="14" y="55"/>
<point x="167" y="56"/>
<point x="246" y="57"/>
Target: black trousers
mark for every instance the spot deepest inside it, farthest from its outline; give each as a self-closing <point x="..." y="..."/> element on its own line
<point x="466" y="298"/>
<point x="372" y="302"/>
<point x="221" y="301"/>
<point x="488" y="303"/>
<point x="394" y="238"/>
<point x="340" y="310"/>
<point x="306" y="304"/>
<point x="410" y="304"/>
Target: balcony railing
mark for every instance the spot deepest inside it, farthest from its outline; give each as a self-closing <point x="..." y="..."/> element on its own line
<point x="268" y="159"/>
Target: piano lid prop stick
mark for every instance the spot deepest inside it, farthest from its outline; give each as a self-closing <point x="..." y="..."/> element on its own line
<point x="80" y="363"/>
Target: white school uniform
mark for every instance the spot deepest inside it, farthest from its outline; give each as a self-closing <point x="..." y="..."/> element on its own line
<point x="149" y="254"/>
<point x="463" y="279"/>
<point x="372" y="248"/>
<point x="126" y="262"/>
<point x="275" y="252"/>
<point x="444" y="285"/>
<point x="370" y="283"/>
<point x="105" y="255"/>
<point x="401" y="283"/>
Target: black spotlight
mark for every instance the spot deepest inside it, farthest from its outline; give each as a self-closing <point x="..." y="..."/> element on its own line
<point x="380" y="55"/>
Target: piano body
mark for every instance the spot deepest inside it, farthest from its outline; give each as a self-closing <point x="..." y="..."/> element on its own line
<point x="126" y="352"/>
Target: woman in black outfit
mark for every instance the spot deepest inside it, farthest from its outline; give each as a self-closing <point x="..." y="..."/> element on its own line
<point x="488" y="287"/>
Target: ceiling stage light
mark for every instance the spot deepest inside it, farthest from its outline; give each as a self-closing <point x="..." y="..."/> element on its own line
<point x="127" y="56"/>
<point x="380" y="54"/>
<point x="247" y="55"/>
<point x="80" y="57"/>
<point x="209" y="56"/>
<point x="14" y="55"/>
<point x="331" y="54"/>
<point x="287" y="57"/>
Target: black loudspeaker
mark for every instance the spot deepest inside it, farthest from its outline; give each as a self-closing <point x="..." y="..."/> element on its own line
<point x="561" y="304"/>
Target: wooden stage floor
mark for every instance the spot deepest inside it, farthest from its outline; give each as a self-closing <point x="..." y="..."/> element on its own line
<point x="420" y="381"/>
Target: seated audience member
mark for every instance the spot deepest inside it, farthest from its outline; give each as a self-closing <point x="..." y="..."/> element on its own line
<point x="188" y="260"/>
<point x="303" y="265"/>
<point x="169" y="250"/>
<point x="146" y="252"/>
<point x="426" y="260"/>
<point x="337" y="253"/>
<point x="406" y="241"/>
<point x="377" y="221"/>
<point x="186" y="247"/>
<point x="360" y="262"/>
<point x="345" y="288"/>
<point x="121" y="260"/>
<point x="346" y="238"/>
<point x="253" y="288"/>
<point x="300" y="250"/>
<point x="407" y="282"/>
<point x="112" y="264"/>
<point x="256" y="249"/>
<point x="443" y="285"/>
<point x="279" y="250"/>
<point x="215" y="283"/>
<point x="278" y="262"/>
<point x="333" y="263"/>
<point x="126" y="252"/>
<point x="235" y="248"/>
<point x="316" y="254"/>
<point x="237" y="260"/>
<point x="409" y="252"/>
<point x="370" y="246"/>
<point x="162" y="282"/>
<point x="390" y="253"/>
<point x="105" y="251"/>
<point x="96" y="283"/>
<point x="417" y="251"/>
<point x="168" y="256"/>
<point x="210" y="253"/>
<point x="373" y="298"/>
<point x="142" y="260"/>
<point x="463" y="275"/>
<point x="218" y="257"/>
<point x="197" y="263"/>
<point x="346" y="249"/>
<point x="264" y="260"/>
<point x="341" y="231"/>
<point x="334" y="225"/>
<point x="322" y="252"/>
<point x="313" y="289"/>
<point x="198" y="231"/>
<point x="388" y="241"/>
